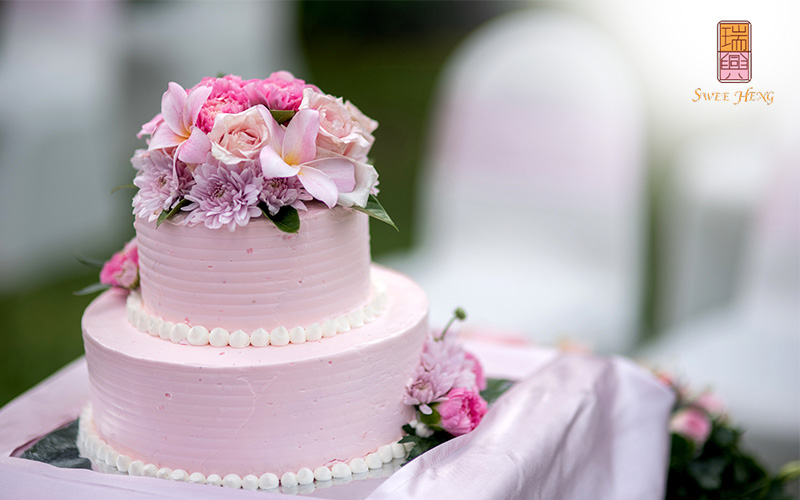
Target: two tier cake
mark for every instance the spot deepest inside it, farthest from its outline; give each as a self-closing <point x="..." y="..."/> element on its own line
<point x="248" y="339"/>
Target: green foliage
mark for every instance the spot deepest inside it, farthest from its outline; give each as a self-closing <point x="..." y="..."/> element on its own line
<point x="375" y="210"/>
<point x="287" y="219"/>
<point x="720" y="469"/>
<point x="422" y="444"/>
<point x="164" y="215"/>
<point x="495" y="387"/>
<point x="282" y="116"/>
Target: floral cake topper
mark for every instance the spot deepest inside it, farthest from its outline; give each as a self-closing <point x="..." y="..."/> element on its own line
<point x="228" y="150"/>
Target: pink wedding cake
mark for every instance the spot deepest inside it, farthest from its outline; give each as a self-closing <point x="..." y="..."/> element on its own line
<point x="248" y="339"/>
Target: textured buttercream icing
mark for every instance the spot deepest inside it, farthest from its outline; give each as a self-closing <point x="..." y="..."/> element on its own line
<point x="257" y="276"/>
<point x="223" y="410"/>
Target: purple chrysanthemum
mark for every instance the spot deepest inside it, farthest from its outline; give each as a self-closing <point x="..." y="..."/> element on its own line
<point x="281" y="191"/>
<point x="429" y="386"/>
<point x="224" y="196"/>
<point x="158" y="187"/>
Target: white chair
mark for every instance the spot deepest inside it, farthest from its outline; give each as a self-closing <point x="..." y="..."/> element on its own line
<point x="532" y="197"/>
<point x="748" y="351"/>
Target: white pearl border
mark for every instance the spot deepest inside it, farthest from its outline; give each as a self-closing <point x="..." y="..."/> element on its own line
<point x="95" y="448"/>
<point x="198" y="335"/>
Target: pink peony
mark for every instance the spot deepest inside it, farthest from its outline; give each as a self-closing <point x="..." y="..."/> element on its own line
<point x="692" y="424"/>
<point x="239" y="137"/>
<point x="281" y="91"/>
<point x="227" y="96"/>
<point x="122" y="270"/>
<point x="462" y="411"/>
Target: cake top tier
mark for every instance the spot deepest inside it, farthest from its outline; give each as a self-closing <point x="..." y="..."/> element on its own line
<point x="228" y="150"/>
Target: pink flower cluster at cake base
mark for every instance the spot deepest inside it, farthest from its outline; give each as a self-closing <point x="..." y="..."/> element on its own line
<point x="122" y="270"/>
<point x="447" y="384"/>
<point x="228" y="150"/>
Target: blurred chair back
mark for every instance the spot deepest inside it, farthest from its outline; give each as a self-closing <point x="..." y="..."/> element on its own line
<point x="533" y="198"/>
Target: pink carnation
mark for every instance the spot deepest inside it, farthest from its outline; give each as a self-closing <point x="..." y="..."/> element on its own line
<point x="477" y="369"/>
<point x="462" y="411"/>
<point x="281" y="91"/>
<point x="711" y="403"/>
<point x="692" y="424"/>
<point x="122" y="270"/>
<point x="227" y="96"/>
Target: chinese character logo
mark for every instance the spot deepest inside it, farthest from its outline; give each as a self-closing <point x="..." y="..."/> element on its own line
<point x="734" y="61"/>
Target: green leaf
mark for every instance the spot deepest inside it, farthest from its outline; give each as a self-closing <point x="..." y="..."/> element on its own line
<point x="166" y="215"/>
<point x="95" y="264"/>
<point x="123" y="186"/>
<point x="707" y="473"/>
<point x="287" y="219"/>
<point x="282" y="116"/>
<point x="789" y="472"/>
<point x="220" y="74"/>
<point x="97" y="287"/>
<point x="375" y="210"/>
<point x="495" y="387"/>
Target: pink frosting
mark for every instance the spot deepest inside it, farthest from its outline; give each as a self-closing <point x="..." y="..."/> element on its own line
<point x="257" y="276"/>
<point x="250" y="411"/>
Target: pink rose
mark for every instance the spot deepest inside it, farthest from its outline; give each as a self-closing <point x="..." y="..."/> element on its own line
<point x="240" y="137"/>
<point x="122" y="270"/>
<point x="692" y="424"/>
<point x="281" y="91"/>
<point x="343" y="129"/>
<point x="711" y="403"/>
<point x="462" y="411"/>
<point x="477" y="369"/>
<point x="227" y="96"/>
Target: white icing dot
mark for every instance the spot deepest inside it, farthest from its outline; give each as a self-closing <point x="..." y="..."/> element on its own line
<point x="259" y="338"/>
<point x="297" y="335"/>
<point x="198" y="335"/>
<point x="289" y="479"/>
<point x="239" y="339"/>
<point x="141" y="322"/>
<point x="356" y="319"/>
<point x="341" y="470"/>
<point x="136" y="467"/>
<point x="179" y="475"/>
<point x="179" y="333"/>
<point x="385" y="452"/>
<point x="102" y="452"/>
<point x="149" y="470"/>
<point x="358" y="465"/>
<point x="166" y="330"/>
<point x="154" y="325"/>
<point x="164" y="473"/>
<point x="369" y="313"/>
<point x="342" y="325"/>
<point x="374" y="461"/>
<point x="268" y="481"/>
<point x="250" y="482"/>
<point x="328" y="328"/>
<point x="123" y="462"/>
<point x="218" y="337"/>
<point x="214" y="480"/>
<point x="197" y="478"/>
<point x="279" y="336"/>
<point x="232" y="481"/>
<point x="305" y="476"/>
<point x="111" y="458"/>
<point x="313" y="333"/>
<point x="398" y="450"/>
<point x="322" y="474"/>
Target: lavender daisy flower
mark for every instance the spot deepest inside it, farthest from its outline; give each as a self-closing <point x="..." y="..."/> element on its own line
<point x="281" y="191"/>
<point x="429" y="386"/>
<point x="224" y="196"/>
<point x="158" y="187"/>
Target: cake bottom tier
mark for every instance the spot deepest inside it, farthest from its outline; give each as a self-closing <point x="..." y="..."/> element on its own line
<point x="259" y="409"/>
